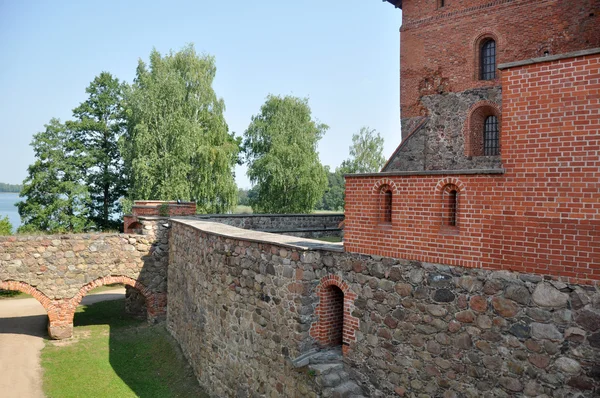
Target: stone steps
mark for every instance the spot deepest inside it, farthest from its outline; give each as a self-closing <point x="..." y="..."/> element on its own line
<point x="328" y="369"/>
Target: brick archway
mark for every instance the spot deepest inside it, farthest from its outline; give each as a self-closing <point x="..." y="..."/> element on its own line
<point x="327" y="328"/>
<point x="52" y="307"/>
<point x="155" y="303"/>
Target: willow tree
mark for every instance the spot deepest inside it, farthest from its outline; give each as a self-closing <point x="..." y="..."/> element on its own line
<point x="177" y="144"/>
<point x="283" y="162"/>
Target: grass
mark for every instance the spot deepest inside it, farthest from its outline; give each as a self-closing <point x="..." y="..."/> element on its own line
<point x="330" y="238"/>
<point x="242" y="210"/>
<point x="115" y="355"/>
<point x="12" y="294"/>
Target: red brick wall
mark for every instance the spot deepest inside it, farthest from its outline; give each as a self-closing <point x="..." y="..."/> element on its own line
<point x="439" y="45"/>
<point x="542" y="216"/>
<point x="152" y="208"/>
<point x="335" y="323"/>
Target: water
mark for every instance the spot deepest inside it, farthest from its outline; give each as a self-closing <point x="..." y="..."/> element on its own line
<point x="8" y="208"/>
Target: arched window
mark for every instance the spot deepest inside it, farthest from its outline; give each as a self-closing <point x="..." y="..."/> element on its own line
<point x="452" y="207"/>
<point x="482" y="130"/>
<point x="488" y="60"/>
<point x="491" y="136"/>
<point x="386" y="204"/>
<point x="450" y="198"/>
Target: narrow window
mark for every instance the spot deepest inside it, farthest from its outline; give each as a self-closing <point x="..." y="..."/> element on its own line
<point x="387" y="206"/>
<point x="491" y="136"/>
<point x="452" y="207"/>
<point x="488" y="60"/>
<point x="442" y="3"/>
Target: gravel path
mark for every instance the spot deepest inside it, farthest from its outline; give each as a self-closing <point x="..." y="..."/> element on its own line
<point x="22" y="331"/>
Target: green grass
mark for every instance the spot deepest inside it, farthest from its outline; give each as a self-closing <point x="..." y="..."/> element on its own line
<point x="330" y="238"/>
<point x="242" y="210"/>
<point x="12" y="294"/>
<point x="115" y="355"/>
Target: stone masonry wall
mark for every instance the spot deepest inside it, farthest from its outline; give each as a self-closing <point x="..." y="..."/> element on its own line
<point x="239" y="310"/>
<point x="302" y="225"/>
<point x="240" y="307"/>
<point x="58" y="270"/>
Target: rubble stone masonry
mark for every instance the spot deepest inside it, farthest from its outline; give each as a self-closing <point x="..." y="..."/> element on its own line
<point x="243" y="306"/>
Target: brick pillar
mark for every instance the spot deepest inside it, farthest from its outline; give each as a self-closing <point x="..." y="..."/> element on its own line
<point x="60" y="319"/>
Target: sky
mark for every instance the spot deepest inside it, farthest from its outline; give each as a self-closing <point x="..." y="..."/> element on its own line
<point x="343" y="55"/>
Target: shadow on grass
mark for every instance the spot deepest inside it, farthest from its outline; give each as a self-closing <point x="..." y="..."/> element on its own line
<point x="146" y="359"/>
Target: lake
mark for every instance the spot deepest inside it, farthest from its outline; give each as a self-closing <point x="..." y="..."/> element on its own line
<point x="8" y="208"/>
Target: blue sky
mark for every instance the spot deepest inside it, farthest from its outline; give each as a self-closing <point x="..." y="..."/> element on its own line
<point x="341" y="54"/>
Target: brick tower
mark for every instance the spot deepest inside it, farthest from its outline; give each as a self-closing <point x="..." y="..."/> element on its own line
<point x="449" y="81"/>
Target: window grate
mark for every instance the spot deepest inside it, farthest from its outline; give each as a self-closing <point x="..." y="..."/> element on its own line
<point x="491" y="137"/>
<point x="488" y="60"/>
<point x="387" y="207"/>
<point x="452" y="207"/>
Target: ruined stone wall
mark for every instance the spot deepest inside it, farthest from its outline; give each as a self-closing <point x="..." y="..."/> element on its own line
<point x="240" y="307"/>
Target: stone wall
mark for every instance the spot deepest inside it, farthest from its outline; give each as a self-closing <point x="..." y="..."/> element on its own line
<point x="241" y="306"/>
<point x="301" y="225"/>
<point x="239" y="309"/>
<point x="439" y="144"/>
<point x="59" y="270"/>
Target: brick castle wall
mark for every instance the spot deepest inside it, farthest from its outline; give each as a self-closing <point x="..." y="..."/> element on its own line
<point x="541" y="216"/>
<point x="439" y="45"/>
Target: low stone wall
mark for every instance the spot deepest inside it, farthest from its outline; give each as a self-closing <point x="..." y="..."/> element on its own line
<point x="301" y="225"/>
<point x="58" y="270"/>
<point x="242" y="305"/>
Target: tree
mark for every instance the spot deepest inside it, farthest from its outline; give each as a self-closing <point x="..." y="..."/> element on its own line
<point x="55" y="198"/>
<point x="366" y="153"/>
<point x="5" y="226"/>
<point x="177" y="144"/>
<point x="333" y="198"/>
<point x="98" y="127"/>
<point x="281" y="150"/>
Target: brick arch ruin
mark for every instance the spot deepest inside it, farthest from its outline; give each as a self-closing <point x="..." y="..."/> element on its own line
<point x="335" y="324"/>
<point x="58" y="270"/>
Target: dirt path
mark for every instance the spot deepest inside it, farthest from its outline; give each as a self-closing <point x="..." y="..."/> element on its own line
<point x="22" y="331"/>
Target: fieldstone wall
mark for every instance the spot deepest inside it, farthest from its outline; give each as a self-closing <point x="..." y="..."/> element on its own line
<point x="439" y="144"/>
<point x="60" y="269"/>
<point x="301" y="225"/>
<point x="241" y="307"/>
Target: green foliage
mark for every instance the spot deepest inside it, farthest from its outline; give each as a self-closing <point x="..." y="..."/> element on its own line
<point x="366" y="156"/>
<point x="56" y="200"/>
<point x="281" y="150"/>
<point x="10" y="187"/>
<point x="177" y="144"/>
<point x="243" y="197"/>
<point x="5" y="226"/>
<point x="366" y="153"/>
<point x="333" y="198"/>
<point x="97" y="127"/>
<point x="126" y="205"/>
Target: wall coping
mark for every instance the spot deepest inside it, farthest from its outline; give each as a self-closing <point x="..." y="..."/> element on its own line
<point x="228" y="231"/>
<point x="427" y="173"/>
<point x="549" y="58"/>
<point x="265" y="215"/>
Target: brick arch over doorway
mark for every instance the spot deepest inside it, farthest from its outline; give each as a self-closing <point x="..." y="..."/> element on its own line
<point x="335" y="323"/>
